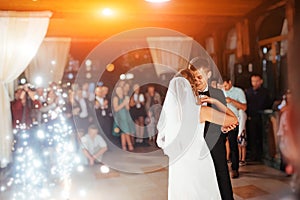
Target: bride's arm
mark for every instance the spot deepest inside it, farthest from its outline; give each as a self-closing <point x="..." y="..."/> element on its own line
<point x="224" y="116"/>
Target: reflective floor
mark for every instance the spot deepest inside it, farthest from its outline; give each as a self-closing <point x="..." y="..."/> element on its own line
<point x="150" y="182"/>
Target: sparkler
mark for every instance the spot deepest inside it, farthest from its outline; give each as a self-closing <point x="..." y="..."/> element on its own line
<point x="44" y="157"/>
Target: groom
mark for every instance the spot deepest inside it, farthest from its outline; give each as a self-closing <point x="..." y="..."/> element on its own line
<point x="214" y="138"/>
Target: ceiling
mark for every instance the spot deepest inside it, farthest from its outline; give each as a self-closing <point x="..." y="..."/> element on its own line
<point x="82" y="19"/>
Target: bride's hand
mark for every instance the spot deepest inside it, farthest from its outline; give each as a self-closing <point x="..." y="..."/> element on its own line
<point x="226" y="129"/>
<point x="207" y="99"/>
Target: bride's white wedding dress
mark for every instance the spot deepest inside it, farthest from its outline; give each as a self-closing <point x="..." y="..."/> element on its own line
<point x="180" y="134"/>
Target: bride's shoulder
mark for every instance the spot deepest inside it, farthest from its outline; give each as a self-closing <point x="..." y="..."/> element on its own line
<point x="180" y="81"/>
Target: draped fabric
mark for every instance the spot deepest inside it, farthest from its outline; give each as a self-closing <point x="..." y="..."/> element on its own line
<point x="231" y="39"/>
<point x="231" y="44"/>
<point x="210" y="45"/>
<point x="49" y="62"/>
<point x="170" y="53"/>
<point x="239" y="46"/>
<point x="230" y="64"/>
<point x="21" y="34"/>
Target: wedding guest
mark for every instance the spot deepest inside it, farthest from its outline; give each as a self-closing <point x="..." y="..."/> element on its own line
<point x="153" y="102"/>
<point x="151" y="125"/>
<point x="138" y="112"/>
<point x="258" y="99"/>
<point x="123" y="125"/>
<point x="93" y="146"/>
<point x="20" y="112"/>
<point x="284" y="128"/>
<point x="102" y="108"/>
<point x="236" y="100"/>
<point x="84" y="118"/>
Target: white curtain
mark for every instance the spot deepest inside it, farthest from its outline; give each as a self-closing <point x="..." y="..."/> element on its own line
<point x="210" y="45"/>
<point x="21" y="34"/>
<point x="170" y="53"/>
<point x="49" y="63"/>
<point x="231" y="44"/>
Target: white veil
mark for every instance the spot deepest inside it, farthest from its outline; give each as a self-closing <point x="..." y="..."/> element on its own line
<point x="179" y="120"/>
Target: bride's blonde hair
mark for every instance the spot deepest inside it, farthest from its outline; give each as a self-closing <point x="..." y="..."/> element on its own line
<point x="188" y="75"/>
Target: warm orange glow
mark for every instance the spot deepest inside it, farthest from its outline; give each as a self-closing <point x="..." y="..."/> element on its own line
<point x="107" y="12"/>
<point x="84" y="19"/>
<point x="157" y="1"/>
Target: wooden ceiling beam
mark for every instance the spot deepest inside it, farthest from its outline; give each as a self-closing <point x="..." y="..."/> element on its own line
<point x="266" y="6"/>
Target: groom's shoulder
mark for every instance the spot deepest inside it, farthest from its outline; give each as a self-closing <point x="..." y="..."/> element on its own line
<point x="217" y="94"/>
<point x="215" y="91"/>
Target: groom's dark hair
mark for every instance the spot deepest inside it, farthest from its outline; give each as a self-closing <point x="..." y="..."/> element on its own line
<point x="199" y="62"/>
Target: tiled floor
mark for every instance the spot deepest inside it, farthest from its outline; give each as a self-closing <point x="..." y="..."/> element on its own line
<point x="259" y="182"/>
<point x="146" y="179"/>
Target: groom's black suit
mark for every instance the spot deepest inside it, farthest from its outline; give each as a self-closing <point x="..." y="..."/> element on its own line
<point x="215" y="140"/>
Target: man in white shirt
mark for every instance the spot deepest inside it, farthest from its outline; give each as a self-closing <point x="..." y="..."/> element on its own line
<point x="236" y="100"/>
<point x="93" y="145"/>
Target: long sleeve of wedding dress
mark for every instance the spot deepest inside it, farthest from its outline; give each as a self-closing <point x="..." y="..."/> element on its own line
<point x="180" y="135"/>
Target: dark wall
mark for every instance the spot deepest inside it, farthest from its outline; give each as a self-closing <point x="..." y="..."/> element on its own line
<point x="294" y="50"/>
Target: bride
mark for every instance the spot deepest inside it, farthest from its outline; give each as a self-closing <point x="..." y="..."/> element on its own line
<point x="180" y="134"/>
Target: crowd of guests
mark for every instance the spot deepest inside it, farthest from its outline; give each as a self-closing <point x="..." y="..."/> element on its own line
<point x="126" y="116"/>
<point x="135" y="114"/>
<point x="248" y="104"/>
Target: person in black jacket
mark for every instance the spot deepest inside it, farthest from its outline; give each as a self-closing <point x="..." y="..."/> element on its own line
<point x="258" y="99"/>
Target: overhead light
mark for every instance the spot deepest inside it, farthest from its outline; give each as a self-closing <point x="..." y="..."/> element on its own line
<point x="157" y="1"/>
